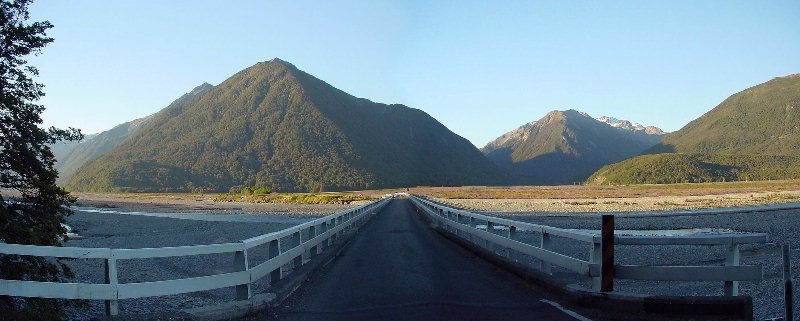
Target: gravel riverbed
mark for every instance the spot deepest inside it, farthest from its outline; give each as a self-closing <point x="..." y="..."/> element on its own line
<point x="128" y="227"/>
<point x="111" y="228"/>
<point x="783" y="227"/>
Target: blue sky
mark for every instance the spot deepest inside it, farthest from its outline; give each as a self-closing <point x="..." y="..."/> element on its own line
<point x="481" y="68"/>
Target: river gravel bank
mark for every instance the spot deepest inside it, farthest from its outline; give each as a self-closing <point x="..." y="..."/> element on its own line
<point x="117" y="228"/>
<point x="105" y="229"/>
<point x="625" y="204"/>
<point x="197" y="203"/>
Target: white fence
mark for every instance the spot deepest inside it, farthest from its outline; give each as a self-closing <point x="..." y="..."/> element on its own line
<point x="307" y="239"/>
<point x="464" y="224"/>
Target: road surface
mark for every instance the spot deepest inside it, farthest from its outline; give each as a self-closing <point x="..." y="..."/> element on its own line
<point x="397" y="268"/>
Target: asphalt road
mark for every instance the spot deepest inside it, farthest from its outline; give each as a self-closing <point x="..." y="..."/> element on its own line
<point x="398" y="268"/>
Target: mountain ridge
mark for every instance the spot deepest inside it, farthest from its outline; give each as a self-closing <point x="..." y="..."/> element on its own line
<point x="564" y="147"/>
<point x="274" y="125"/>
<point x="96" y="145"/>
<point x="753" y="134"/>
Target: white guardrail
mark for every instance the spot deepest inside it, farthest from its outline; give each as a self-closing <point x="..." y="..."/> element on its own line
<point x="306" y="240"/>
<point x="464" y="224"/>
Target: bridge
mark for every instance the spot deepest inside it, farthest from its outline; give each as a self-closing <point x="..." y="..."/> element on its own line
<point x="408" y="258"/>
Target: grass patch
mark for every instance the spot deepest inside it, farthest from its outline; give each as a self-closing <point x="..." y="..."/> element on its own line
<point x="294" y="198"/>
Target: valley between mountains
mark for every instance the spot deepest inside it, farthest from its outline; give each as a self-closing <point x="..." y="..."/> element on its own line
<point x="273" y="125"/>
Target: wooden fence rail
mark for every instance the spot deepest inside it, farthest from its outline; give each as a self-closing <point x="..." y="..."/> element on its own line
<point x="307" y="240"/>
<point x="465" y="224"/>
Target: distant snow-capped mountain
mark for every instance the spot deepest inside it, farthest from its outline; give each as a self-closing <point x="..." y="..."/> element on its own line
<point x="624" y="124"/>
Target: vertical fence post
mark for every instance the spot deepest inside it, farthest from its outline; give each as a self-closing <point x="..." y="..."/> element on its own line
<point x="545" y="244"/>
<point x="788" y="312"/>
<point x="323" y="229"/>
<point x="243" y="291"/>
<point x="441" y="216"/>
<point x="512" y="233"/>
<point x="595" y="258"/>
<point x="339" y="221"/>
<point x="732" y="259"/>
<point x="112" y="306"/>
<point x="458" y="220"/>
<point x="274" y="250"/>
<point x="297" y="240"/>
<point x="312" y="233"/>
<point x="607" y="260"/>
<point x="490" y="229"/>
<point x="474" y="225"/>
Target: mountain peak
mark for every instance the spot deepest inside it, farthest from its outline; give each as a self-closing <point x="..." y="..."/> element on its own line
<point x="275" y="125"/>
<point x="278" y="62"/>
<point x="201" y="89"/>
<point x="565" y="146"/>
<point x="627" y="125"/>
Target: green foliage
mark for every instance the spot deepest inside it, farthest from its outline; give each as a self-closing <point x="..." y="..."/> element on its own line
<point x="262" y="191"/>
<point x="32" y="207"/>
<point x="75" y="156"/>
<point x="274" y="125"/>
<point x="764" y="119"/>
<point x="672" y="168"/>
<point x="294" y="198"/>
<point x="256" y="190"/>
<point x="752" y="135"/>
<point x="565" y="147"/>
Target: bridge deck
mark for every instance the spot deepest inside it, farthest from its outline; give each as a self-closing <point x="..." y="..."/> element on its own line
<point x="398" y="268"/>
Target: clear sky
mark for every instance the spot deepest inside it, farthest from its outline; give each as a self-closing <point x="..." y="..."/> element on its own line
<point x="481" y="68"/>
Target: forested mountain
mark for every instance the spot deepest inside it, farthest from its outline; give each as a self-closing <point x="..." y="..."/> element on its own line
<point x="275" y="126"/>
<point x="670" y="168"/>
<point x="751" y="135"/>
<point x="566" y="147"/>
<point x="62" y="148"/>
<point x="71" y="156"/>
<point x="764" y="119"/>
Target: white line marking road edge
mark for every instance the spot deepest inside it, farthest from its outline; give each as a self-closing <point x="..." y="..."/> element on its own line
<point x="571" y="313"/>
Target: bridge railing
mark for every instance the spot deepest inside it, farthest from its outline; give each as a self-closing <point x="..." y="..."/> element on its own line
<point x="292" y="246"/>
<point x="466" y="225"/>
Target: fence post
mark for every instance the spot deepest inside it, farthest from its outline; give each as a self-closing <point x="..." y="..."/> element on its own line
<point x="595" y="258"/>
<point x="297" y="240"/>
<point x="458" y="220"/>
<point x="474" y="225"/>
<point x="243" y="291"/>
<point x="441" y="216"/>
<point x="512" y="233"/>
<point x="732" y="259"/>
<point x="338" y="226"/>
<point x="788" y="312"/>
<point x="112" y="306"/>
<point x="312" y="233"/>
<point x="490" y="229"/>
<point x="274" y="250"/>
<point x="323" y="229"/>
<point x="546" y="244"/>
<point x="607" y="256"/>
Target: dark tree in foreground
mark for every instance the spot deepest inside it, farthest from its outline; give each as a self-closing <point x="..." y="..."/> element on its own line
<point x="32" y="207"/>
